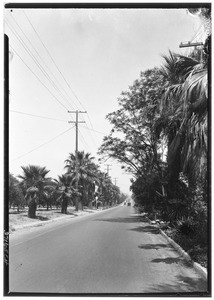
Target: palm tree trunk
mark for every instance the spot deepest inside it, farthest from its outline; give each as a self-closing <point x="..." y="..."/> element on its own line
<point x="32" y="209"/>
<point x="76" y="203"/>
<point x="64" y="206"/>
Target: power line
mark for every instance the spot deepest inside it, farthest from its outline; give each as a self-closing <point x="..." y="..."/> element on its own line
<point x="57" y="67"/>
<point x="42" y="144"/>
<point x="38" y="77"/>
<point x="84" y="141"/>
<point x="94" y="130"/>
<point x="34" y="58"/>
<point x="31" y="115"/>
<point x="42" y="61"/>
<point x="51" y="56"/>
<point x="40" y="67"/>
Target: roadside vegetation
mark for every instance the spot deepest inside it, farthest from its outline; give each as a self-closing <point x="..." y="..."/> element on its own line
<point x="33" y="196"/>
<point x="159" y="135"/>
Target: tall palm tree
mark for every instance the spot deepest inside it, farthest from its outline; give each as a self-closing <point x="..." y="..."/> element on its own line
<point x="84" y="171"/>
<point x="33" y="180"/>
<point x="184" y="115"/>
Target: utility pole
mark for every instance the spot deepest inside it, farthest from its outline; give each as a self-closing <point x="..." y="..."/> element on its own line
<point x="108" y="168"/>
<point x="77" y="112"/>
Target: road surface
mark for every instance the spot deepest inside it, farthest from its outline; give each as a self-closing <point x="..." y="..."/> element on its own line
<point x="113" y="251"/>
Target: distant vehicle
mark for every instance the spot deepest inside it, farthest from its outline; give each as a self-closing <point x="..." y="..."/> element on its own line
<point x="129" y="204"/>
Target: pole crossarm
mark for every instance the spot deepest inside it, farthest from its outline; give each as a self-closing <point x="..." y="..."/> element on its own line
<point x="75" y="122"/>
<point x="189" y="44"/>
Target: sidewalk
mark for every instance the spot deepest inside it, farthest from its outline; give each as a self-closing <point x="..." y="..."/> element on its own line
<point x="198" y="268"/>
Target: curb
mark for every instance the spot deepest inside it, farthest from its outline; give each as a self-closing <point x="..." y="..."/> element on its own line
<point x="201" y="270"/>
<point x="198" y="268"/>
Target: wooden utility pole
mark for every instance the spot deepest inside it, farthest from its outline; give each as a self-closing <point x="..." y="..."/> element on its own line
<point x="77" y="112"/>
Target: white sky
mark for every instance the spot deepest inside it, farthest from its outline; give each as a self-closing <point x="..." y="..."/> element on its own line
<point x="100" y="52"/>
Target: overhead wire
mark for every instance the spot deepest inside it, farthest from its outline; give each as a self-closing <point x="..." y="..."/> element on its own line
<point x="48" y="52"/>
<point x="42" y="61"/>
<point x="93" y="130"/>
<point x="44" y="72"/>
<point x="32" y="115"/>
<point x="43" y="144"/>
<point x="33" y="57"/>
<point x="37" y="77"/>
<point x="84" y="141"/>
<point x="57" y="67"/>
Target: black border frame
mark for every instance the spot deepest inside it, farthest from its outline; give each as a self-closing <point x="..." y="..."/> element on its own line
<point x="179" y="5"/>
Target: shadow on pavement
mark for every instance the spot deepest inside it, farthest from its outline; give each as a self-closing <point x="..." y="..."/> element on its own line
<point x="181" y="286"/>
<point x="171" y="260"/>
<point x="149" y="229"/>
<point x="154" y="246"/>
<point x="121" y="220"/>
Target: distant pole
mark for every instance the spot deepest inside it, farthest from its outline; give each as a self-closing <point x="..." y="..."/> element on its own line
<point x="77" y="112"/>
<point x="108" y="168"/>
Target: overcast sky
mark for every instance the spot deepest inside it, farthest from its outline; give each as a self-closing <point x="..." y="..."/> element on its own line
<point x="90" y="56"/>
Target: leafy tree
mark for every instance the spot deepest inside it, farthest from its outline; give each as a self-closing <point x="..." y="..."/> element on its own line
<point x="133" y="140"/>
<point x="16" y="197"/>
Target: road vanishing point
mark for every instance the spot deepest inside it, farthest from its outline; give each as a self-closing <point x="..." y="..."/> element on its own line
<point x="114" y="251"/>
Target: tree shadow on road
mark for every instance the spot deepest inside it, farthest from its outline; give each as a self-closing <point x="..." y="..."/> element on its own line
<point x="180" y="286"/>
<point x="154" y="246"/>
<point x="171" y="260"/>
<point x="148" y="229"/>
<point x="122" y="220"/>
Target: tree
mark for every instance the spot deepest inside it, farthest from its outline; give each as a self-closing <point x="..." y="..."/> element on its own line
<point x="183" y="118"/>
<point x="31" y="196"/>
<point x="84" y="172"/>
<point x="33" y="181"/>
<point x="16" y="197"/>
<point x="65" y="189"/>
<point x="132" y="140"/>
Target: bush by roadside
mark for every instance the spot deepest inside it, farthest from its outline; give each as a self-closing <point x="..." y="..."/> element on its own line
<point x="190" y="238"/>
<point x="197" y="252"/>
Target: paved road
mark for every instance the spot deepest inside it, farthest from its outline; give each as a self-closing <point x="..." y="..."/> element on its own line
<point x="114" y="251"/>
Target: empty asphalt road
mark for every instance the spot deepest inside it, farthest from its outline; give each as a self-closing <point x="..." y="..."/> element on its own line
<point x="113" y="251"/>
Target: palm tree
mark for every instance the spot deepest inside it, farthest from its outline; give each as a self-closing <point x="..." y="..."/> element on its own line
<point x="184" y="117"/>
<point x="84" y="171"/>
<point x="66" y="190"/>
<point x="31" y="196"/>
<point x="33" y="181"/>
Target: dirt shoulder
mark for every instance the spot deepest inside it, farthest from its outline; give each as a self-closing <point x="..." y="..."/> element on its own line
<point x="20" y="221"/>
